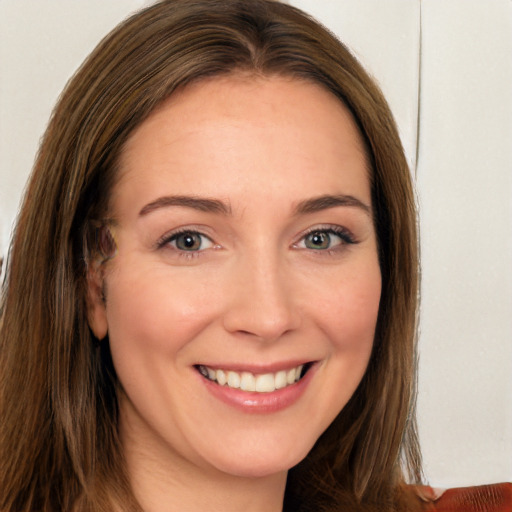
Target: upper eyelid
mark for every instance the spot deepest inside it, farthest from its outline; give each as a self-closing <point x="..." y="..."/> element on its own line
<point x="333" y="228"/>
<point x="325" y="227"/>
<point x="176" y="234"/>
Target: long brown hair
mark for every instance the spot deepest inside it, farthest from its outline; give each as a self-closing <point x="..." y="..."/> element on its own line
<point x="58" y="428"/>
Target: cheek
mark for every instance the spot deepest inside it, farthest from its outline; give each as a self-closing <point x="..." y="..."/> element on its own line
<point x="348" y="308"/>
<point x="346" y="312"/>
<point x="157" y="311"/>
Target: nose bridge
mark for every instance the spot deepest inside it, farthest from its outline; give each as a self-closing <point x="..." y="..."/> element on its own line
<point x="262" y="301"/>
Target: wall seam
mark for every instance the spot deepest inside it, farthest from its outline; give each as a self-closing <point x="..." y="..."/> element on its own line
<point x="418" y="93"/>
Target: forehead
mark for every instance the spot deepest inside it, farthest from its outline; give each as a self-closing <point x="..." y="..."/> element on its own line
<point x="220" y="134"/>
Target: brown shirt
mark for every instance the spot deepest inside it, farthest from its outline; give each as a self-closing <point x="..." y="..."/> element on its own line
<point x="484" y="498"/>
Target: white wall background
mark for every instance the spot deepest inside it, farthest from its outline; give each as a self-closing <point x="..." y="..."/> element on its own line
<point x="450" y="61"/>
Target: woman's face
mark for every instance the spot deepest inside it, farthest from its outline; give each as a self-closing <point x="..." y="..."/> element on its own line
<point x="241" y="304"/>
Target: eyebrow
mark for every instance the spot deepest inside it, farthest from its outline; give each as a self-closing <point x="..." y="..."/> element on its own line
<point x="324" y="202"/>
<point x="202" y="204"/>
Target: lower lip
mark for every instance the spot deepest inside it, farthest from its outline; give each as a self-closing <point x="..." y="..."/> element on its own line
<point x="261" y="403"/>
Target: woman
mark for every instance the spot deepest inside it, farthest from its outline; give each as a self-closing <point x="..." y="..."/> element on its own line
<point x="211" y="295"/>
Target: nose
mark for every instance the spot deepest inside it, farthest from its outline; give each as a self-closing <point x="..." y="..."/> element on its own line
<point x="261" y="301"/>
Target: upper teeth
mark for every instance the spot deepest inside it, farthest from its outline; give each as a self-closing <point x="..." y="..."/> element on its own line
<point x="247" y="381"/>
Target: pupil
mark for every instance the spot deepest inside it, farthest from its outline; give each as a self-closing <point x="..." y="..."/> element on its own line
<point x="319" y="240"/>
<point x="189" y="241"/>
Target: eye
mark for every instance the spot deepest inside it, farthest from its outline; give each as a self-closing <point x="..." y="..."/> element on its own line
<point x="321" y="240"/>
<point x="190" y="241"/>
<point x="325" y="239"/>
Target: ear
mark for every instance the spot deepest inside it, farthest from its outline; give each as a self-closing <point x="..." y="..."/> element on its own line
<point x="96" y="306"/>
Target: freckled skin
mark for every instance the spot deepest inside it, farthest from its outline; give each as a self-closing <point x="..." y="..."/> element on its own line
<point x="254" y="292"/>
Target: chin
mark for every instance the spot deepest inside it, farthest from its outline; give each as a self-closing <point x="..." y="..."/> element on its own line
<point x="262" y="464"/>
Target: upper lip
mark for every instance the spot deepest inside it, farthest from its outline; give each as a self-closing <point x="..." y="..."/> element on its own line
<point x="257" y="368"/>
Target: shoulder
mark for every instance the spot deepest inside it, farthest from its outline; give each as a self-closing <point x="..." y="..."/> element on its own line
<point x="483" y="498"/>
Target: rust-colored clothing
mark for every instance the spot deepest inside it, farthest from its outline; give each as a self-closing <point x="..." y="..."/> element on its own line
<point x="483" y="498"/>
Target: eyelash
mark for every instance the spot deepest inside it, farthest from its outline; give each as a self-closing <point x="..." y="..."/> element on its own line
<point x="166" y="240"/>
<point x="346" y="239"/>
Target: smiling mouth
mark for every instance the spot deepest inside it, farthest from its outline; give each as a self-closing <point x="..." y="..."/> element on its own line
<point x="259" y="383"/>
